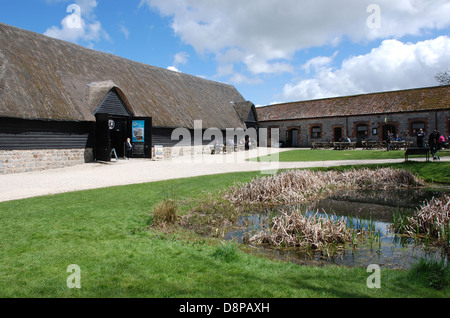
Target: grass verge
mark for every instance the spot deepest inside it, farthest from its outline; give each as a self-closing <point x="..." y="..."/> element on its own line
<point x="303" y="155"/>
<point x="105" y="232"/>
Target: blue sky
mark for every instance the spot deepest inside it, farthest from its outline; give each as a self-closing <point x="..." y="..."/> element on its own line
<point x="270" y="50"/>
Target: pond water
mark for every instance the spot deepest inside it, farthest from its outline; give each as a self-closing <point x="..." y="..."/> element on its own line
<point x="368" y="207"/>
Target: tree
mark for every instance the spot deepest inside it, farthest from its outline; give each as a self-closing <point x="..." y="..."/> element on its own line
<point x="443" y="77"/>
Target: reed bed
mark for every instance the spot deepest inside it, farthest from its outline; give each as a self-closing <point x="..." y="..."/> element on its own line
<point x="431" y="220"/>
<point x="297" y="186"/>
<point x="290" y="227"/>
<point x="294" y="229"/>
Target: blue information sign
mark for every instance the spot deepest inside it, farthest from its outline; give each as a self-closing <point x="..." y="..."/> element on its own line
<point x="138" y="129"/>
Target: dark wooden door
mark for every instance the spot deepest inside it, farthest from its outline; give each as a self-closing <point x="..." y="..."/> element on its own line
<point x="102" y="138"/>
<point x="337" y="134"/>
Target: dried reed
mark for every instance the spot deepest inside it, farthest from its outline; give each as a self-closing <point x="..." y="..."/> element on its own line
<point x="294" y="229"/>
<point x="296" y="186"/>
<point x="431" y="220"/>
<point x="165" y="212"/>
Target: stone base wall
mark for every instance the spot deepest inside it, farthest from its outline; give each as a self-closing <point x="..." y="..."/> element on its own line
<point x="178" y="152"/>
<point x="17" y="161"/>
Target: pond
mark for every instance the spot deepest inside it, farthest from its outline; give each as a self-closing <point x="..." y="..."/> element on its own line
<point x="363" y="209"/>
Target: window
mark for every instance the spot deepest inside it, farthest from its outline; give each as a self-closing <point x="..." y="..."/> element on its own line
<point x="416" y="126"/>
<point x="316" y="132"/>
<point x="362" y="131"/>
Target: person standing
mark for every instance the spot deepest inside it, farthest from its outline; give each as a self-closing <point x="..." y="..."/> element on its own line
<point x="128" y="148"/>
<point x="421" y="138"/>
<point x="388" y="140"/>
<point x="433" y="143"/>
<point x="441" y="142"/>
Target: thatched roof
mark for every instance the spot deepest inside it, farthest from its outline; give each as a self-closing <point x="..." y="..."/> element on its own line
<point x="243" y="110"/>
<point x="48" y="79"/>
<point x="412" y="100"/>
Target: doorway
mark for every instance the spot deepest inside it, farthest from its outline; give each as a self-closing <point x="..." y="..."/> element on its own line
<point x="111" y="133"/>
<point x="388" y="127"/>
<point x="293" y="140"/>
<point x="118" y="134"/>
<point x="337" y="134"/>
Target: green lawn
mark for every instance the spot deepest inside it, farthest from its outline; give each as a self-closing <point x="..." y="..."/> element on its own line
<point x="105" y="233"/>
<point x="327" y="155"/>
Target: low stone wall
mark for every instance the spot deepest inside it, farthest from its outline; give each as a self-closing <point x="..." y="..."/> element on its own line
<point x="17" y="161"/>
<point x="178" y="152"/>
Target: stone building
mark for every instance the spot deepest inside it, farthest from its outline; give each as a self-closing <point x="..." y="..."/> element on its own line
<point x="62" y="104"/>
<point x="361" y="117"/>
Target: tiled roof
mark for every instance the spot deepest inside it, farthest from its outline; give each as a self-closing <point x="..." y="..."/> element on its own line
<point x="421" y="99"/>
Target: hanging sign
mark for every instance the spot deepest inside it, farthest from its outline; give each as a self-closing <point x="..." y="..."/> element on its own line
<point x="138" y="130"/>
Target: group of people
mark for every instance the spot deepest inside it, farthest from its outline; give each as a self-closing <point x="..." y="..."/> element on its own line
<point x="390" y="137"/>
<point x="436" y="142"/>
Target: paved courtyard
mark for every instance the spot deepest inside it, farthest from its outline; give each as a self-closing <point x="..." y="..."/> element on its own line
<point x="135" y="171"/>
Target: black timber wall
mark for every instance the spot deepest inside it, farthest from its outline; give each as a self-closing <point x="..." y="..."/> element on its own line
<point x="162" y="137"/>
<point x="18" y="134"/>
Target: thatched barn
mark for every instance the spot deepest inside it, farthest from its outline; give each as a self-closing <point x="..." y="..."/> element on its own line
<point x="61" y="102"/>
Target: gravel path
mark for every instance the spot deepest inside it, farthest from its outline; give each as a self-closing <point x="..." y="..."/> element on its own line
<point x="134" y="171"/>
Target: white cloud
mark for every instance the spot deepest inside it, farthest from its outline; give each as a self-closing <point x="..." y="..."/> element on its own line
<point x="79" y="24"/>
<point x="180" y="58"/>
<point x="319" y="62"/>
<point x="124" y="30"/>
<point x="392" y="65"/>
<point x="266" y="34"/>
<point x="173" y="69"/>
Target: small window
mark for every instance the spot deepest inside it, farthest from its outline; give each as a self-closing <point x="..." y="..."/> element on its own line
<point x="416" y="126"/>
<point x="362" y="131"/>
<point x="316" y="132"/>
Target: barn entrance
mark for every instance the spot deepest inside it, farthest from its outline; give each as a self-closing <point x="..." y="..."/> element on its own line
<point x="110" y="135"/>
<point x="114" y="124"/>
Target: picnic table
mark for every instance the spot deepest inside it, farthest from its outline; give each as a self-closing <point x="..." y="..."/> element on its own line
<point x="397" y="145"/>
<point x="319" y="145"/>
<point x="370" y="144"/>
<point x="344" y="145"/>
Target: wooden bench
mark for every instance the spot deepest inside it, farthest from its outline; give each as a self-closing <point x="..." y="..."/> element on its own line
<point x="417" y="151"/>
